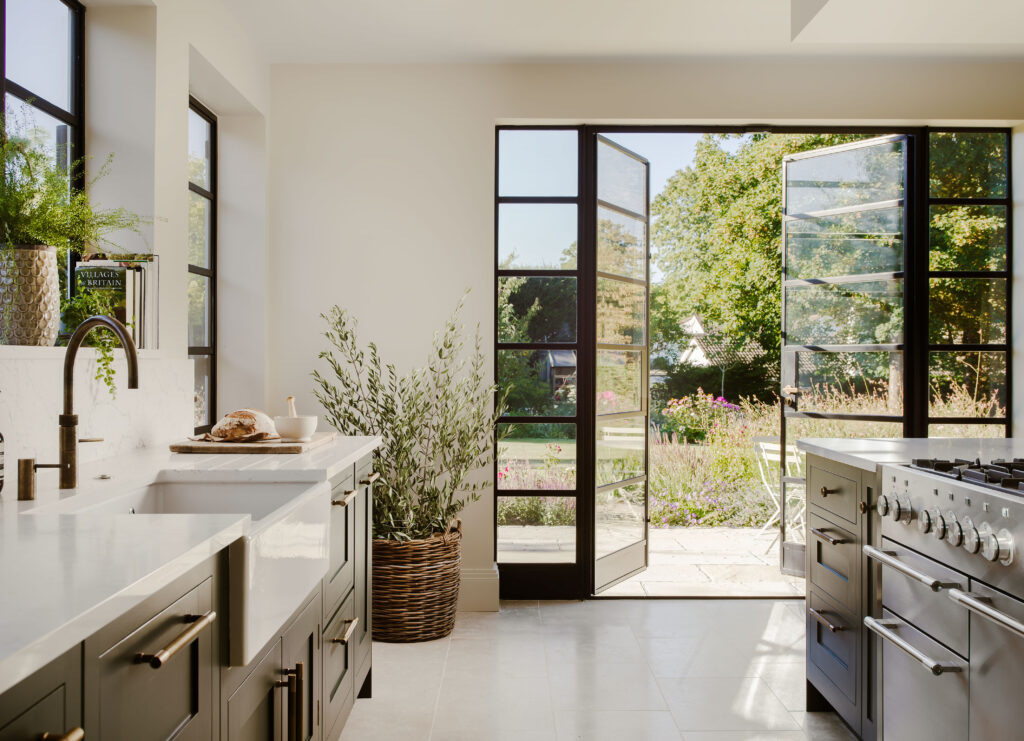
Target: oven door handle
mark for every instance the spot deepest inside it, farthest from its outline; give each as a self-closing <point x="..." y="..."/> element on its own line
<point x="884" y="628"/>
<point x="975" y="605"/>
<point x="888" y="558"/>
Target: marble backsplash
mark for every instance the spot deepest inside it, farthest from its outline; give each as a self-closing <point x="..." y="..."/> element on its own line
<point x="31" y="397"/>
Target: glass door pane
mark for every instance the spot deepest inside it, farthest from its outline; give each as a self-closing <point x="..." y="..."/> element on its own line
<point x="844" y="210"/>
<point x="620" y="494"/>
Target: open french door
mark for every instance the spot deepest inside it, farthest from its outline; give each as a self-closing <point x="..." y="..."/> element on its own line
<point x="845" y="217"/>
<point x="621" y="364"/>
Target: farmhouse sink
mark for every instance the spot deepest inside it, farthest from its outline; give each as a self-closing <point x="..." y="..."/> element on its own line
<point x="272" y="567"/>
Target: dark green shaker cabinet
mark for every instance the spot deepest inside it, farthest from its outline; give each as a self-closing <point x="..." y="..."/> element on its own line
<point x="48" y="702"/>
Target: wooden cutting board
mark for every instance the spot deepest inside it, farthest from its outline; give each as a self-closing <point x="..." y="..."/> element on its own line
<point x="272" y="446"/>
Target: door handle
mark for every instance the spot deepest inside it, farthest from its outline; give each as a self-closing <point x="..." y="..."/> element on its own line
<point x="975" y="605"/>
<point x="889" y="559"/>
<point x="820" y="617"/>
<point x="75" y="734"/>
<point x="343" y="502"/>
<point x="296" y="697"/>
<point x="368" y="481"/>
<point x="791" y="390"/>
<point x="885" y="629"/>
<point x="832" y="540"/>
<point x="161" y="657"/>
<point x="347" y="636"/>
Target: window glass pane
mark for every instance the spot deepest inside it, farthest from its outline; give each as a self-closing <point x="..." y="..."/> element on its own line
<point x="621" y="179"/>
<point x="203" y="414"/>
<point x="850" y="382"/>
<point x="542" y="382"/>
<point x="967" y="311"/>
<point x="961" y="430"/>
<point x="967" y="238"/>
<point x="198" y="311"/>
<point x="38" y="48"/>
<point x="536" y="529"/>
<point x="968" y="164"/>
<point x="537" y="162"/>
<point x="619" y="517"/>
<point x="199" y="223"/>
<point x="621" y="244"/>
<point x="845" y="314"/>
<point x="619" y="381"/>
<point x="536" y="456"/>
<point x="967" y="384"/>
<point x="536" y="309"/>
<point x="621" y="319"/>
<point x="40" y="130"/>
<point x="845" y="244"/>
<point x="849" y="178"/>
<point x="199" y="132"/>
<point x="801" y="428"/>
<point x="620" y="449"/>
<point x="537" y="236"/>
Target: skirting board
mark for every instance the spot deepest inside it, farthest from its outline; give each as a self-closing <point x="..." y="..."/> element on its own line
<point x="479" y="590"/>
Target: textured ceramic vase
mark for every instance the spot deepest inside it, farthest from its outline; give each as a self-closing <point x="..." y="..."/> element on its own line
<point x="29" y="296"/>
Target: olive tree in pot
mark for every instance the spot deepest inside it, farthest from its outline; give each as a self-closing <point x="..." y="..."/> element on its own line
<point x="437" y="425"/>
<point x="41" y="218"/>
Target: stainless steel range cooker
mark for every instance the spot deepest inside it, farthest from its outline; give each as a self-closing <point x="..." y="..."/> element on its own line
<point x="952" y="624"/>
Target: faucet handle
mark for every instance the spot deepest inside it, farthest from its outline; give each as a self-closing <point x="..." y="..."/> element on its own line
<point x="27" y="468"/>
<point x="90" y="439"/>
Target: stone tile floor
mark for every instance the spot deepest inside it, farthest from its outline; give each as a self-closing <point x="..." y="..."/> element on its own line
<point x="711" y="562"/>
<point x="600" y="670"/>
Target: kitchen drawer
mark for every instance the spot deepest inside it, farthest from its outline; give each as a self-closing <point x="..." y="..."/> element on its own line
<point x="832" y="643"/>
<point x="363" y="561"/>
<point x="916" y="704"/>
<point x="49" y="701"/>
<point x="364" y="467"/>
<point x="931" y="612"/>
<point x="130" y="697"/>
<point x="833" y="561"/>
<point x="832" y="492"/>
<point x="339" y="667"/>
<point x="341" y="566"/>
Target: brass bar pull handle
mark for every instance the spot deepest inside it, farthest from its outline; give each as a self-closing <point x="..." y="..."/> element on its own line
<point x="975" y="605"/>
<point x="888" y="558"/>
<point x="832" y="540"/>
<point x="343" y="502"/>
<point x="825" y="621"/>
<point x="370" y="479"/>
<point x="825" y="491"/>
<point x="300" y="700"/>
<point x="293" y="701"/>
<point x="885" y="629"/>
<point x="161" y="657"/>
<point x="347" y="636"/>
<point x="75" y="734"/>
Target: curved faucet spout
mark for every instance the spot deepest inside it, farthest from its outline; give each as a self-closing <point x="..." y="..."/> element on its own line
<point x="76" y="342"/>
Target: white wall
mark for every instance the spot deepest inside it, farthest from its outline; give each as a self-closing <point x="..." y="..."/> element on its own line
<point x="381" y="180"/>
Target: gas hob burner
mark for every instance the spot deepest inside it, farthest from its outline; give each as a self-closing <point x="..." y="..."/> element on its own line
<point x="1006" y="475"/>
<point x="952" y="468"/>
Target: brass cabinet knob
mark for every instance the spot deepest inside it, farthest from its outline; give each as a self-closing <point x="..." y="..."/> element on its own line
<point x="825" y="491"/>
<point x="863" y="507"/>
<point x="75" y="734"/>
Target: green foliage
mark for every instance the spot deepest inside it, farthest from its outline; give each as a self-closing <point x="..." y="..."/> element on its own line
<point x="549" y="511"/>
<point x="434" y="421"/>
<point x="80" y="307"/>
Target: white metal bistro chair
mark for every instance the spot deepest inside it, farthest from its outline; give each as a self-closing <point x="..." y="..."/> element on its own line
<point x="769" y="464"/>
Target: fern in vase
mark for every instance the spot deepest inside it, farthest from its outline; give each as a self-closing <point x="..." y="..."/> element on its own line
<point x="436" y="422"/>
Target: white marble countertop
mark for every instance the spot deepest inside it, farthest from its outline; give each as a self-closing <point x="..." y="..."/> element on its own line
<point x="64" y="576"/>
<point x="870" y="453"/>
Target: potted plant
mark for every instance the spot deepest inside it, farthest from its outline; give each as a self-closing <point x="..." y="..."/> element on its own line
<point x="41" y="218"/>
<point x="437" y="426"/>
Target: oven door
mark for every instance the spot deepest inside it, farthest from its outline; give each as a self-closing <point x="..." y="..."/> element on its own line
<point x="997" y="662"/>
<point x="924" y="685"/>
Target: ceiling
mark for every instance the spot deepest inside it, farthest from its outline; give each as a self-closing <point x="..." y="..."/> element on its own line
<point x="607" y="30"/>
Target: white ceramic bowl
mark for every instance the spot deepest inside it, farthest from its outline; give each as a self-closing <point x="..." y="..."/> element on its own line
<point x="299" y="428"/>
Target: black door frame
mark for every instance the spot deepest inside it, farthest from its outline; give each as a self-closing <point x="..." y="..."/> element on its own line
<point x="576" y="580"/>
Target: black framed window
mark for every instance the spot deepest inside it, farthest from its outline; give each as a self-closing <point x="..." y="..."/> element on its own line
<point x="202" y="259"/>
<point x="43" y="75"/>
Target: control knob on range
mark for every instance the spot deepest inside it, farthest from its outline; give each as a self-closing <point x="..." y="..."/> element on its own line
<point x="938" y="522"/>
<point x="924" y="521"/>
<point x="882" y="505"/>
<point x="954" y="531"/>
<point x="996" y="546"/>
<point x="972" y="539"/>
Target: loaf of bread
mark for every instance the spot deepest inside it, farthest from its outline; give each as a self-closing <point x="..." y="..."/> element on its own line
<point x="243" y="426"/>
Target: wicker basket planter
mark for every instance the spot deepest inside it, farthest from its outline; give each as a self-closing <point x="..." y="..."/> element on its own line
<point x="29" y="296"/>
<point x="416" y="587"/>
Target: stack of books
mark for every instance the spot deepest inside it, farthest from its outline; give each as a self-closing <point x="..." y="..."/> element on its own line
<point x="132" y="281"/>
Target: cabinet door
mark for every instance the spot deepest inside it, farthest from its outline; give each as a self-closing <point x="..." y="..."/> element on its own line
<point x="340" y="570"/>
<point x="49" y="701"/>
<point x="363" y="637"/>
<point x="339" y="667"/>
<point x="301" y="646"/>
<point x="255" y="710"/>
<point x="134" y="698"/>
